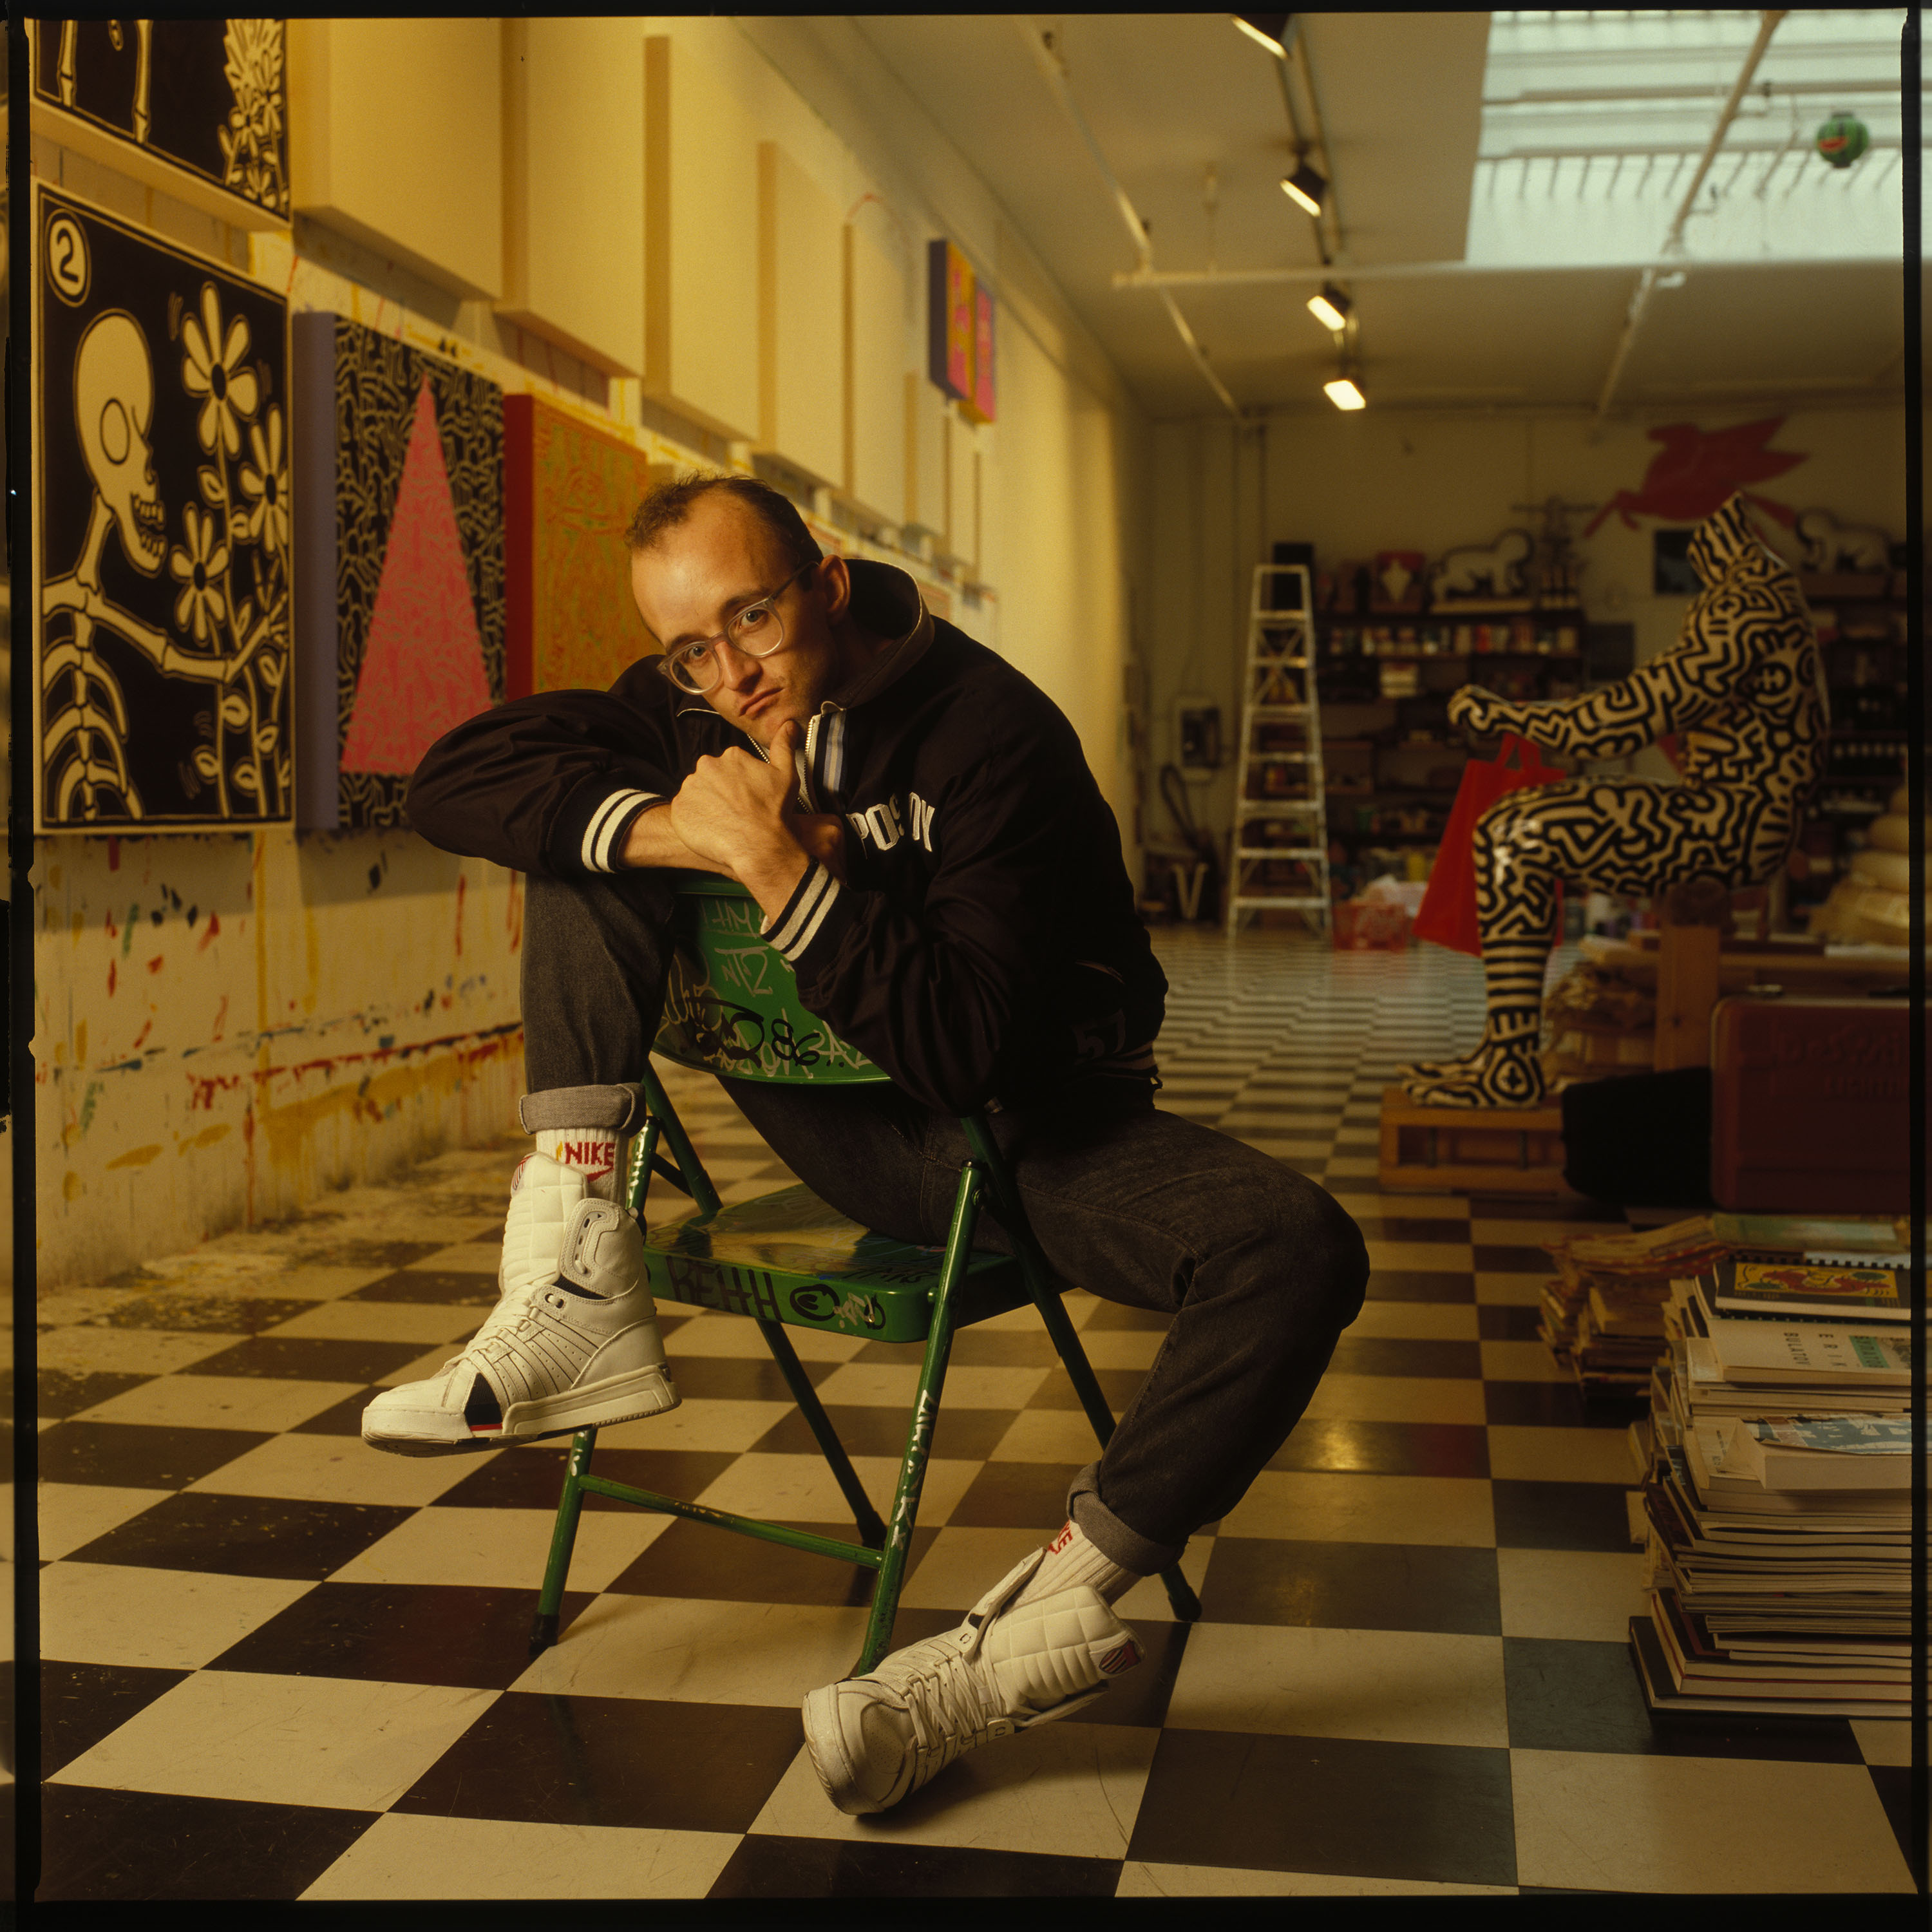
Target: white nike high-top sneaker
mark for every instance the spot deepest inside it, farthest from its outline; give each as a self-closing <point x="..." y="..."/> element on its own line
<point x="875" y="1740"/>
<point x="571" y="1343"/>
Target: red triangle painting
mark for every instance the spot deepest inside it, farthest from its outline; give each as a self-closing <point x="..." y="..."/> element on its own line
<point x="423" y="673"/>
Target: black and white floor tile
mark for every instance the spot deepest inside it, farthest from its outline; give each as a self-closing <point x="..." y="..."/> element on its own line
<point x="281" y="1665"/>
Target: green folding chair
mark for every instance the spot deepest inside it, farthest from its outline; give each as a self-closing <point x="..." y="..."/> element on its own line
<point x="786" y="1260"/>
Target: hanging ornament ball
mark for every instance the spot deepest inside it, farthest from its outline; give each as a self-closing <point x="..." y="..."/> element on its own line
<point x="1842" y="138"/>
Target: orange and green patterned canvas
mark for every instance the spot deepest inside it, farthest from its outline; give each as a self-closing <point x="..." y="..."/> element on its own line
<point x="570" y="491"/>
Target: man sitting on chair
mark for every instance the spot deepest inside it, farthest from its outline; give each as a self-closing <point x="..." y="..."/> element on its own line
<point x="937" y="867"/>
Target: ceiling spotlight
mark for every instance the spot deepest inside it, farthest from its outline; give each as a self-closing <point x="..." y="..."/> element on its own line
<point x="1269" y="30"/>
<point x="1330" y="307"/>
<point x="1343" y="393"/>
<point x="1306" y="189"/>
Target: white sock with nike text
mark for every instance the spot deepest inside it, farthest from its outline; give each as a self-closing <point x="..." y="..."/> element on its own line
<point x="1072" y="1559"/>
<point x="596" y="1153"/>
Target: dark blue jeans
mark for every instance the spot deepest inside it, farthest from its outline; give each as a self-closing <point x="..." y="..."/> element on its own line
<point x="1258" y="1269"/>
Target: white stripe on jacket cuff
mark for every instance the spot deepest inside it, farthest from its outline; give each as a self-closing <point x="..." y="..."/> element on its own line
<point x="613" y="816"/>
<point x="797" y="924"/>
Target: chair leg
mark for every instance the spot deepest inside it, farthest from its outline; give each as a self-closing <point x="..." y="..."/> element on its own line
<point x="562" y="1541"/>
<point x="1073" y="1359"/>
<point x="871" y="1529"/>
<point x="1180" y="1597"/>
<point x="645" y="1161"/>
<point x="919" y="1435"/>
<point x="657" y="1104"/>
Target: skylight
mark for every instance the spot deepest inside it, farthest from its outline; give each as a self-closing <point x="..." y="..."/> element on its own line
<point x="1594" y="125"/>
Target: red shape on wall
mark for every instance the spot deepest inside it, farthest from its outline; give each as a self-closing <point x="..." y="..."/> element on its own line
<point x="982" y="407"/>
<point x="422" y="674"/>
<point x="1698" y="471"/>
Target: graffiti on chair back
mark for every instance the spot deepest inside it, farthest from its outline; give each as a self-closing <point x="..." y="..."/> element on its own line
<point x="735" y="1005"/>
<point x="161" y="521"/>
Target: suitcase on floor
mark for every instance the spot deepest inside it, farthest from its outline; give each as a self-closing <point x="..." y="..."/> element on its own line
<point x="1808" y="1112"/>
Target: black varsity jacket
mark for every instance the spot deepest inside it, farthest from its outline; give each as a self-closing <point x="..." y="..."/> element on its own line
<point x="986" y="948"/>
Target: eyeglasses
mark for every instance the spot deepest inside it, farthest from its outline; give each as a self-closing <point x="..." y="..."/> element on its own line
<point x="757" y="631"/>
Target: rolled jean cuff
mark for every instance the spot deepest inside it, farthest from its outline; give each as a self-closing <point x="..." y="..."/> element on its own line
<point x="620" y="1108"/>
<point x="1109" y="1534"/>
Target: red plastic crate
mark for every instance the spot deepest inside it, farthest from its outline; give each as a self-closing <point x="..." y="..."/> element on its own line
<point x="1360" y="928"/>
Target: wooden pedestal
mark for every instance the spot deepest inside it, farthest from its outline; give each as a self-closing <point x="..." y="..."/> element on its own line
<point x="1471" y="1150"/>
<point x="1687" y="963"/>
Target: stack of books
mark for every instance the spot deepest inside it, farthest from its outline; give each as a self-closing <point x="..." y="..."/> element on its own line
<point x="1778" y="1499"/>
<point x="1602" y="1312"/>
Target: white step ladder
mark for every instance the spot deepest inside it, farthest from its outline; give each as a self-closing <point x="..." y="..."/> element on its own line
<point x="1281" y="821"/>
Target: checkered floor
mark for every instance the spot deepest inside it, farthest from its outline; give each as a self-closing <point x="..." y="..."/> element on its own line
<point x="281" y="1665"/>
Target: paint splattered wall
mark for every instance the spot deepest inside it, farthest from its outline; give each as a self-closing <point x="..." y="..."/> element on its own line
<point x="229" y="1027"/>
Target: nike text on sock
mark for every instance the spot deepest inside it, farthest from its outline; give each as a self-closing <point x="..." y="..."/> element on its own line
<point x="1071" y="1559"/>
<point x="595" y="1153"/>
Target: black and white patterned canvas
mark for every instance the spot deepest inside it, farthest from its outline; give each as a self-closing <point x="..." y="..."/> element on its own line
<point x="403" y="516"/>
<point x="209" y="97"/>
<point x="162" y="566"/>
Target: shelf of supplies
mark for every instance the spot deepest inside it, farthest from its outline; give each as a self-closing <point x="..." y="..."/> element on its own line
<point x="1418" y="795"/>
<point x="1458" y="613"/>
<point x="1404" y="654"/>
<point x="1849" y="586"/>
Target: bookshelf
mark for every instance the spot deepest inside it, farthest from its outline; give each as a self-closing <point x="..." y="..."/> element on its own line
<point x="1862" y="640"/>
<point x="1392" y="763"/>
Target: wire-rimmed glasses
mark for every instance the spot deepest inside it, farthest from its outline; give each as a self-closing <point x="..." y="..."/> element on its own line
<point x="757" y="630"/>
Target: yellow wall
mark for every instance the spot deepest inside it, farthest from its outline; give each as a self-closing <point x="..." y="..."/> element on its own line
<point x="573" y="109"/>
<point x="801" y="319"/>
<point x="395" y="138"/>
<point x="1052" y="543"/>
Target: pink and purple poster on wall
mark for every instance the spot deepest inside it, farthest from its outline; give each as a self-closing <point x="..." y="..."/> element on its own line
<point x="961" y="319"/>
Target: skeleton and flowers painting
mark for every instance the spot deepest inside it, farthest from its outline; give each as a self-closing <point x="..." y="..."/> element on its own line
<point x="162" y="534"/>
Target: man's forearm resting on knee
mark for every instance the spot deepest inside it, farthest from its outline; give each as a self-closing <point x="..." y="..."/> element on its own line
<point x="653" y="843"/>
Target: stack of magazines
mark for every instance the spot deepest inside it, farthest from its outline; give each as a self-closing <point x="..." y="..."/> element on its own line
<point x="1602" y="1313"/>
<point x="1778" y="1499"/>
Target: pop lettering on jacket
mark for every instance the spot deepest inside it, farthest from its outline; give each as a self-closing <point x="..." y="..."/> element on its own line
<point x="882" y="826"/>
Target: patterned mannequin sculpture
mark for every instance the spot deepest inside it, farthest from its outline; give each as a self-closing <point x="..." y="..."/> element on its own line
<point x="1743" y="685"/>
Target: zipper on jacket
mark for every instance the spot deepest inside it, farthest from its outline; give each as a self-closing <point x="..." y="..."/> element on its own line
<point x="824" y="772"/>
